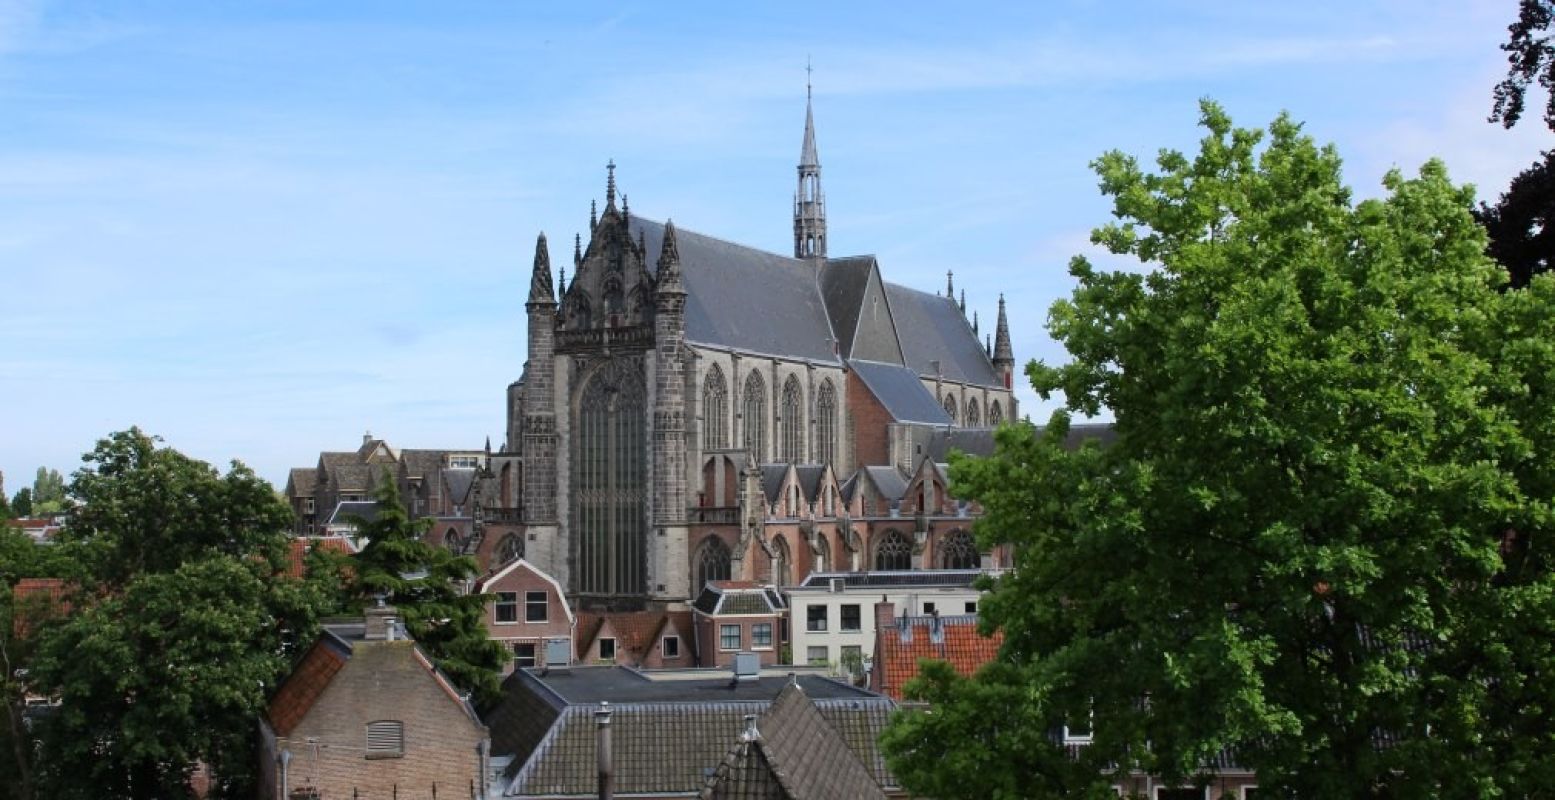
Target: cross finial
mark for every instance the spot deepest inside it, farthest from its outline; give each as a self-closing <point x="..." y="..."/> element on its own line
<point x="610" y="184"/>
<point x="807" y="72"/>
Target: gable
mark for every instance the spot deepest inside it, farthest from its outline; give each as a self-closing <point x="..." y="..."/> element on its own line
<point x="303" y="687"/>
<point x="937" y="339"/>
<point x="521" y="574"/>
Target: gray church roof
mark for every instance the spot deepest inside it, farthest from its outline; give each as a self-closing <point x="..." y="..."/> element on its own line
<point x="901" y="392"/>
<point x="747" y="299"/>
<point x="933" y="329"/>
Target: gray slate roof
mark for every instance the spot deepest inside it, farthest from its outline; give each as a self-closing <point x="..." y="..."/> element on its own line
<point x="746" y="299"/>
<point x="459" y="480"/>
<point x="901" y="392"/>
<point x="884" y="579"/>
<point x="888" y="481"/>
<point x="345" y="511"/>
<point x="795" y="747"/>
<point x="932" y="328"/>
<point x="772" y="476"/>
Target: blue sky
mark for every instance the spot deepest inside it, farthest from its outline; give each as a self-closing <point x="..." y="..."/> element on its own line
<point x="259" y="229"/>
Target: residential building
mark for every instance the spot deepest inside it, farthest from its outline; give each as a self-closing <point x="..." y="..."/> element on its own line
<point x="901" y="642"/>
<point x="366" y="714"/>
<point x="832" y="618"/>
<point x="732" y="617"/>
<point x="527" y="609"/>
<point x="672" y="732"/>
<point x="641" y="639"/>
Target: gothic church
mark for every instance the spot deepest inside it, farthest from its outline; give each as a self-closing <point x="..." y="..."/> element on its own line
<point x="693" y="409"/>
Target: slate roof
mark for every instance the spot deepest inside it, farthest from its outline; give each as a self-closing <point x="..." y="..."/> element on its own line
<point x="418" y="463"/>
<point x="901" y="392"/>
<point x="956" y="578"/>
<point x="932" y="328"/>
<point x="843" y="282"/>
<point x="744" y="298"/>
<point x="888" y="481"/>
<point x="810" y="476"/>
<point x="459" y="481"/>
<point x="666" y="734"/>
<point x="793" y="752"/>
<point x="953" y="639"/>
<point x="738" y="597"/>
<point x="772" y="476"/>
<point x="346" y="509"/>
<point x="301" y="480"/>
<point x="356" y="478"/>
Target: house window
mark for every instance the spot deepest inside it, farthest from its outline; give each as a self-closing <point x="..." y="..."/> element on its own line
<point x="815" y="618"/>
<point x="607" y="649"/>
<point x="817" y="656"/>
<point x="928" y="608"/>
<point x="729" y="637"/>
<point x="671" y="647"/>
<point x="761" y="636"/>
<point x="507" y="607"/>
<point x="852" y="658"/>
<point x="850" y="617"/>
<point x="385" y="739"/>
<point x="971" y="606"/>
<point x="1078" y="731"/>
<point x="524" y="654"/>
<point x="535" y="607"/>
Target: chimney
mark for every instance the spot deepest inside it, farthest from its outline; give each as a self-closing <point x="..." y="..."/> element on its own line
<point x="380" y="621"/>
<point x="367" y="438"/>
<point x="885" y="614"/>
<point x="607" y="778"/>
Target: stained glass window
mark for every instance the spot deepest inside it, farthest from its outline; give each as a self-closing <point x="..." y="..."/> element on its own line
<point x="893" y="551"/>
<point x="791" y="447"/>
<point x="755" y="414"/>
<point x="610" y="468"/>
<point x="958" y="551"/>
<point x="715" y="411"/>
<point x="826" y="424"/>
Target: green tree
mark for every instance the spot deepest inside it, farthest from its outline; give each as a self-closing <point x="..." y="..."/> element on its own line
<point x="22" y="505"/>
<point x="1530" y="58"/>
<point x="20" y="557"/>
<point x="48" y="492"/>
<point x="190" y="624"/>
<point x="423" y="582"/>
<point x="1317" y="538"/>
<point x="1521" y="234"/>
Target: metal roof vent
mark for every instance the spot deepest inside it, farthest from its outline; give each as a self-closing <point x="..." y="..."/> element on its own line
<point x="558" y="655"/>
<point x="747" y="667"/>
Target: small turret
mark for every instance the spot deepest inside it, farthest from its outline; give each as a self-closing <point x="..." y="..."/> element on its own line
<point x="669" y="263"/>
<point x="1003" y="355"/>
<point x="577" y="252"/>
<point x="950" y="284"/>
<point x="593" y="215"/>
<point x="963" y="302"/>
<point x="809" y="201"/>
<point x="974" y="322"/>
<point x="540" y="290"/>
<point x="610" y="185"/>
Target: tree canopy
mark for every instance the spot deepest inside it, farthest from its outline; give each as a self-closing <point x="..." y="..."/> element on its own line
<point x="1530" y="59"/>
<point x="1317" y="540"/>
<point x="424" y="582"/>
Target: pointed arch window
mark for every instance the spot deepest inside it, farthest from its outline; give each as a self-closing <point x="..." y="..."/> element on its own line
<point x="974" y="415"/>
<point x="711" y="563"/>
<point x="755" y="416"/>
<point x="826" y="424"/>
<point x="609" y="471"/>
<point x="791" y="447"/>
<point x="959" y="551"/>
<point x="995" y="414"/>
<point x="715" y="411"/>
<point x="510" y="549"/>
<point x="452" y="541"/>
<point x="950" y="408"/>
<point x="823" y="553"/>
<point x="782" y="562"/>
<point x="893" y="551"/>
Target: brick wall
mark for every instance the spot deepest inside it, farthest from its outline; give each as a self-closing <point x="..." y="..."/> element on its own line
<point x="870" y="419"/>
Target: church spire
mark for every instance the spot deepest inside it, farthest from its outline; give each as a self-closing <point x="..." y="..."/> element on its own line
<point x="610" y="185"/>
<point x="540" y="290"/>
<point x="669" y="263"/>
<point x="809" y="202"/>
<point x="950" y="284"/>
<point x="1003" y="355"/>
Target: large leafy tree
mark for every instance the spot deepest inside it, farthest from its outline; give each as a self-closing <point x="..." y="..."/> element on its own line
<point x="1318" y="540"/>
<point x="426" y="584"/>
<point x="1521" y="236"/>
<point x="1530" y="59"/>
<point x="183" y="623"/>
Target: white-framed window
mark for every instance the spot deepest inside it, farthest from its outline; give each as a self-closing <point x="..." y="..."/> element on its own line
<point x="852" y="620"/>
<point x="1078" y="731"/>
<point x="524" y="654"/>
<point x="1182" y="793"/>
<point x="971" y="606"/>
<point x="928" y="608"/>
<point x="818" y="655"/>
<point x="535" y="607"/>
<point x="815" y="618"/>
<point x="386" y="739"/>
<point x="607" y="648"/>
<point x="507" y="607"/>
<point x="761" y="636"/>
<point x="671" y="646"/>
<point x="729" y="637"/>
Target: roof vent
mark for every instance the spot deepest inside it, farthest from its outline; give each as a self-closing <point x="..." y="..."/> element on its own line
<point x="747" y="667"/>
<point x="558" y="655"/>
<point x="838" y="584"/>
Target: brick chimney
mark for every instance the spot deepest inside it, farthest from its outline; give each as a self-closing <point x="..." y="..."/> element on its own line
<point x="885" y="620"/>
<point x="381" y="621"/>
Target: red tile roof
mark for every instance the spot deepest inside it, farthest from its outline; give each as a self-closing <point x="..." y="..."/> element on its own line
<point x="636" y="631"/>
<point x="303" y="687"/>
<point x="960" y="644"/>
<point x="37" y="599"/>
<point x="300" y="548"/>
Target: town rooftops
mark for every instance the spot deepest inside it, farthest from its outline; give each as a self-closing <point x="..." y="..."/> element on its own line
<point x="619" y="685"/>
<point x="886" y="579"/>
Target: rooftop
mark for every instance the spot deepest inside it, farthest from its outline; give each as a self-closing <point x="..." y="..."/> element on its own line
<point x="618" y="685"/>
<point x="885" y="579"/>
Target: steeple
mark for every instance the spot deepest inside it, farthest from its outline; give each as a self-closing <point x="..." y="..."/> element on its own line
<point x="950" y="284"/>
<point x="963" y="302"/>
<point x="1003" y="355"/>
<point x="610" y="185"/>
<point x="540" y="289"/>
<point x="974" y="322"/>
<point x="809" y="201"/>
<point x="577" y="253"/>
<point x="669" y="263"/>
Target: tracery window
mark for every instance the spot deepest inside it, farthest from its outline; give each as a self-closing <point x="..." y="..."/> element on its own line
<point x="711" y="563"/>
<point x="782" y="563"/>
<point x="715" y="411"/>
<point x="893" y="551"/>
<point x="950" y="407"/>
<point x="958" y="551"/>
<point x="822" y="558"/>
<point x="510" y="549"/>
<point x="974" y="416"/>
<point x="995" y="414"/>
<point x="791" y="448"/>
<point x="826" y="424"/>
<point x="452" y="541"/>
<point x="610" y="467"/>
<point x="755" y="413"/>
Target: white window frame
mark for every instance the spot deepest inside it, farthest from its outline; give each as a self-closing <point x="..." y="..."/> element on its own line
<point x="723" y="631"/>
<point x="825" y="620"/>
<point x="664" y="648"/>
<point x="613" y="651"/>
<point x="842" y="617"/>
<point x="544" y="603"/>
<point x="756" y="626"/>
<point x="809" y="654"/>
<point x="496" y="614"/>
<point x="534" y="654"/>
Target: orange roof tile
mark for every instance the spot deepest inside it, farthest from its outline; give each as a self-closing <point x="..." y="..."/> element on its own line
<point x="960" y="645"/>
<point x="303" y="687"/>
<point x="636" y="631"/>
<point x="41" y="598"/>
<point x="299" y="551"/>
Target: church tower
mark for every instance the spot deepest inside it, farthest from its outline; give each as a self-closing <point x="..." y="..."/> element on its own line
<point x="537" y="434"/>
<point x="668" y="578"/>
<point x="1003" y="354"/>
<point x="809" y="202"/>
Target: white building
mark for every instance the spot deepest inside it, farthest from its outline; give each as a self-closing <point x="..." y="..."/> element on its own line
<point x="832" y="614"/>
